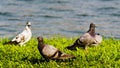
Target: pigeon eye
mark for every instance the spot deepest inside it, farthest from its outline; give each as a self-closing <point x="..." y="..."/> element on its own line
<point x="16" y="37"/>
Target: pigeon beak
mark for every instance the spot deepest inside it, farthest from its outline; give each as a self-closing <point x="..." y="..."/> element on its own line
<point x="29" y="25"/>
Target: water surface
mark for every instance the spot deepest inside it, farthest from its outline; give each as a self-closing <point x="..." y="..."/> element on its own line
<point x="64" y="17"/>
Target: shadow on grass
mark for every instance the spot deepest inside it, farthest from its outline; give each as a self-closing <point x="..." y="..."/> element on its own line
<point x="65" y="60"/>
<point x="34" y="60"/>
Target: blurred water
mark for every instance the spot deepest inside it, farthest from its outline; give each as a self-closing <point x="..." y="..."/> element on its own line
<point x="64" y="17"/>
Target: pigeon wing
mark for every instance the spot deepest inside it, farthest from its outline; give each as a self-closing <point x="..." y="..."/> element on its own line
<point x="48" y="51"/>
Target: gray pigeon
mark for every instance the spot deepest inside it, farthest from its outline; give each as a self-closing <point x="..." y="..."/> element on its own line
<point x="50" y="52"/>
<point x="90" y="38"/>
<point x="23" y="37"/>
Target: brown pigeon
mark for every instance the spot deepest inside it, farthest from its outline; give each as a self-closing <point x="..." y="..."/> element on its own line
<point x="90" y="38"/>
<point x="50" y="52"/>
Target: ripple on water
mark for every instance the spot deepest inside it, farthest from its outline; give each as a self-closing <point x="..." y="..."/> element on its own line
<point x="49" y="16"/>
<point x="56" y="1"/>
<point x="115" y="14"/>
<point x="6" y="14"/>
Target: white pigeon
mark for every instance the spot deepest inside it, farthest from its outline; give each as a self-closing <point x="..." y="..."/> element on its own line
<point x="23" y="37"/>
<point x="50" y="52"/>
<point x="90" y="38"/>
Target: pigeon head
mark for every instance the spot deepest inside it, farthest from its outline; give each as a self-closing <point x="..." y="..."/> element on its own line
<point x="40" y="39"/>
<point x="28" y="24"/>
<point x="92" y="25"/>
<point x="92" y="29"/>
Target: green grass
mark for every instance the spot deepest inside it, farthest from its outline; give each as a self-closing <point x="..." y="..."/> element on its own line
<point x="106" y="55"/>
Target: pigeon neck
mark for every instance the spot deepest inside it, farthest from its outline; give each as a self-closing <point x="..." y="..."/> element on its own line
<point x="41" y="45"/>
<point x="91" y="31"/>
<point x="27" y="27"/>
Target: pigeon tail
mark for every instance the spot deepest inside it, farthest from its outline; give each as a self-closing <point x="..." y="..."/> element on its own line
<point x="72" y="47"/>
<point x="66" y="56"/>
<point x="60" y="55"/>
<point x="11" y="42"/>
<point x="77" y="43"/>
